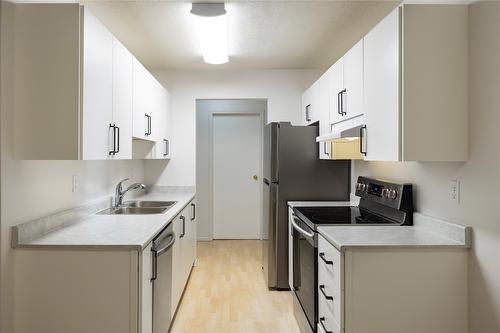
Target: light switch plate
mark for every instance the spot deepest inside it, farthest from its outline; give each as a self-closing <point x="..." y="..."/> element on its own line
<point x="455" y="191"/>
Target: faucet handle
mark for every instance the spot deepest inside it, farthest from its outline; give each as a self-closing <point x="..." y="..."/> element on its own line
<point x="119" y="185"/>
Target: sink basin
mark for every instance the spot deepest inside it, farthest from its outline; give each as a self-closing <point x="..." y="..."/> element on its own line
<point x="149" y="204"/>
<point x="133" y="210"/>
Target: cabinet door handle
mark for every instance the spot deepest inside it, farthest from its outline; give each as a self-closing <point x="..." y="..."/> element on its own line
<point x="167" y="148"/>
<point x="149" y="125"/>
<point x="322" y="289"/>
<point x="154" y="265"/>
<point x="342" y="112"/>
<point x="183" y="226"/>
<point x="194" y="212"/>
<point x="362" y="138"/>
<point x="339" y="102"/>
<point x="325" y="150"/>
<point x="322" y="256"/>
<point x="118" y="139"/>
<point x="321" y="320"/>
<point x="308" y="107"/>
<point x="112" y="151"/>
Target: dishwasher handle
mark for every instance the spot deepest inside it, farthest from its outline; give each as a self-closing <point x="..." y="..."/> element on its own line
<point x="158" y="252"/>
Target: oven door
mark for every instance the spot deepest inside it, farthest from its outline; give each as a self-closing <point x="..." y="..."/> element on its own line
<point x="305" y="271"/>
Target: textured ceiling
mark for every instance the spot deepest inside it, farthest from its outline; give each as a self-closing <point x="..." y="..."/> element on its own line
<point x="262" y="34"/>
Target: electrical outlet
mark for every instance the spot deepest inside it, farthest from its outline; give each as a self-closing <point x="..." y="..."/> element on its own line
<point x="75" y="187"/>
<point x="455" y="191"/>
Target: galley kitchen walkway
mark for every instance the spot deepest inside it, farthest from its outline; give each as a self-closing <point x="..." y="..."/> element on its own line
<point x="227" y="293"/>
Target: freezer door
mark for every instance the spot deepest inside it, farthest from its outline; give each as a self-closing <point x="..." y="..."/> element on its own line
<point x="270" y="218"/>
<point x="271" y="137"/>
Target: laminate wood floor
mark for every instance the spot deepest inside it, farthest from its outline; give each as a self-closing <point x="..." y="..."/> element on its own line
<point x="227" y="293"/>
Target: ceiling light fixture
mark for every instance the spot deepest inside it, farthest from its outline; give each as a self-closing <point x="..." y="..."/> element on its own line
<point x="211" y="25"/>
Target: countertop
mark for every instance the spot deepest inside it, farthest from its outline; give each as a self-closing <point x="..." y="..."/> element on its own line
<point x="113" y="231"/>
<point x="426" y="232"/>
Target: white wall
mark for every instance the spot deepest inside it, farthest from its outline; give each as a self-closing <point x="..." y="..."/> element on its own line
<point x="479" y="177"/>
<point x="31" y="189"/>
<point x="282" y="88"/>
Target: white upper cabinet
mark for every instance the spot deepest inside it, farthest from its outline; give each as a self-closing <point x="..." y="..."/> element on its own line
<point x="381" y="62"/>
<point x="324" y="114"/>
<point x="79" y="93"/>
<point x="310" y="100"/>
<point x="352" y="97"/>
<point x="97" y="115"/>
<point x="403" y="89"/>
<point x="336" y="78"/>
<point x="346" y="93"/>
<point x="122" y="102"/>
<point x="162" y="125"/>
<point x="142" y="113"/>
<point x="416" y="85"/>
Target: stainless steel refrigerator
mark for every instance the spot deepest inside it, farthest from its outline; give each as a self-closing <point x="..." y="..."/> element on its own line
<point x="293" y="172"/>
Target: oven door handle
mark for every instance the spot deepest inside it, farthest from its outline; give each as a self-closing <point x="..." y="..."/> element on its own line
<point x="299" y="229"/>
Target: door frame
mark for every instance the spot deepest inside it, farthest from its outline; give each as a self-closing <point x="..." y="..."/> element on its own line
<point x="243" y="107"/>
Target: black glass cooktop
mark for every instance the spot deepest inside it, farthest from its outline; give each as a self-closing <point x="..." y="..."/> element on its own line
<point x="342" y="215"/>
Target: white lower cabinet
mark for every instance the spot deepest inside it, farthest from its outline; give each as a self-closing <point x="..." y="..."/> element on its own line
<point x="184" y="251"/>
<point x="391" y="290"/>
<point x="97" y="290"/>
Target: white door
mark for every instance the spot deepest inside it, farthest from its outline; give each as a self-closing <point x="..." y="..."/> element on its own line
<point x="236" y="159"/>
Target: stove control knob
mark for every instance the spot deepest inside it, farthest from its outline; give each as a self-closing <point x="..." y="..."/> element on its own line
<point x="393" y="194"/>
<point x="385" y="193"/>
<point x="362" y="187"/>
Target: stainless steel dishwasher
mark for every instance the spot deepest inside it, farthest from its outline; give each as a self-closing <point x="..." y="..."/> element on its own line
<point x="162" y="279"/>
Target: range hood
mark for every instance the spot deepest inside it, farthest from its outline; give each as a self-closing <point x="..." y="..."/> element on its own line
<point x="344" y="139"/>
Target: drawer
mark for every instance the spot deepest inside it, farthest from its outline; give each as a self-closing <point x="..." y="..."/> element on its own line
<point x="329" y="265"/>
<point x="326" y="320"/>
<point x="330" y="302"/>
<point x="330" y="281"/>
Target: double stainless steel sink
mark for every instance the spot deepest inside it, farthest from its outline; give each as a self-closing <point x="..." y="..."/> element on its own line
<point x="139" y="208"/>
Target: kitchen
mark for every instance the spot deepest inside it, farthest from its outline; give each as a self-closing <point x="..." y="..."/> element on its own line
<point x="441" y="142"/>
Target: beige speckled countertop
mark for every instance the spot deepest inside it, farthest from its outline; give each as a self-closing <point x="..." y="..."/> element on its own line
<point x="109" y="231"/>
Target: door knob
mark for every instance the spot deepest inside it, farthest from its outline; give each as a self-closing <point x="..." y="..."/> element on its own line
<point x="255" y="177"/>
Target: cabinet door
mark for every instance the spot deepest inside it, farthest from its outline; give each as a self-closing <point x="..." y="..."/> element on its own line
<point x="122" y="99"/>
<point x="140" y="101"/>
<point x="306" y="106"/>
<point x="146" y="308"/>
<point x="161" y="125"/>
<point x="382" y="90"/>
<point x="177" y="284"/>
<point x="192" y="233"/>
<point x="336" y="78"/>
<point x="324" y="114"/>
<point x="352" y="98"/>
<point x="97" y="89"/>
<point x="187" y="245"/>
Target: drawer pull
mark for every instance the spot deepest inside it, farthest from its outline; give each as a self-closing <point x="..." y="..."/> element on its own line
<point x="321" y="320"/>
<point x="322" y="289"/>
<point x="322" y="256"/>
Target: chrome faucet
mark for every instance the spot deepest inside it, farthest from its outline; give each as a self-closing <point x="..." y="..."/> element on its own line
<point x="120" y="193"/>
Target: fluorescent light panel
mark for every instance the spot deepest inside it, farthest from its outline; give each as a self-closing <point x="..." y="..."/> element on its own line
<point x="211" y="27"/>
